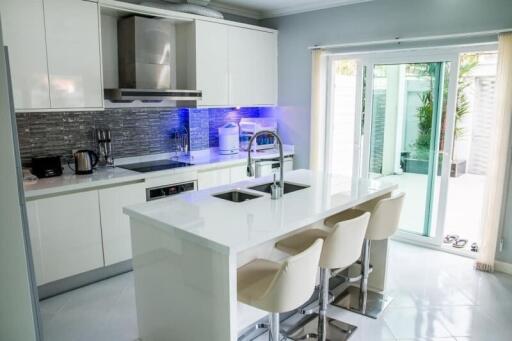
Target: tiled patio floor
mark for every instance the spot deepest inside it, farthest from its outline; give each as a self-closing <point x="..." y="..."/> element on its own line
<point x="464" y="206"/>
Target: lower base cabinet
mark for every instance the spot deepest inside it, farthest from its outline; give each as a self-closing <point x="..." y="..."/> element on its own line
<point x="239" y="173"/>
<point x="115" y="225"/>
<point x="213" y="178"/>
<point x="78" y="232"/>
<point x="65" y="233"/>
<point x="75" y="233"/>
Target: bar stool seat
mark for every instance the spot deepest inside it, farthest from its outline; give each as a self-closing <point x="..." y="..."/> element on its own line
<point x="345" y="215"/>
<point x="384" y="221"/>
<point x="301" y="241"/>
<point x="279" y="287"/>
<point x="342" y="247"/>
<point x="253" y="279"/>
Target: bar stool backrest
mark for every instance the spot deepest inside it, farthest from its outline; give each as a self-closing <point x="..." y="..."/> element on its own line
<point x="385" y="217"/>
<point x="342" y="247"/>
<point x="295" y="282"/>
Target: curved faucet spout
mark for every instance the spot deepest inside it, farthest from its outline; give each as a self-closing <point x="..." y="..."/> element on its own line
<point x="250" y="170"/>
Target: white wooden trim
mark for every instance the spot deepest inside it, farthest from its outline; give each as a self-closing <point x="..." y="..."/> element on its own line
<point x="503" y="267"/>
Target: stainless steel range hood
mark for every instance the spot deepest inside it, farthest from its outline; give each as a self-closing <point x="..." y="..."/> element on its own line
<point x="144" y="54"/>
<point x="127" y="94"/>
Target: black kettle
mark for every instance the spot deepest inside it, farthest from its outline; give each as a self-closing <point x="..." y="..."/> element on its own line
<point x="85" y="161"/>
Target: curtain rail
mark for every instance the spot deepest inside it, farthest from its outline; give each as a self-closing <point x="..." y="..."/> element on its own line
<point x="399" y="40"/>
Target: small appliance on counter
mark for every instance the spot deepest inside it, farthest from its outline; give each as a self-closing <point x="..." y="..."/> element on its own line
<point x="85" y="161"/>
<point x="104" y="137"/>
<point x="46" y="166"/>
<point x="229" y="139"/>
<point x="251" y="126"/>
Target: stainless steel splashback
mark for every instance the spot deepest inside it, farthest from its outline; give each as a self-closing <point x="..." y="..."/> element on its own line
<point x="144" y="53"/>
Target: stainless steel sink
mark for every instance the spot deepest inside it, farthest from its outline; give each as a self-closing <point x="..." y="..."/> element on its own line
<point x="236" y="196"/>
<point x="288" y="187"/>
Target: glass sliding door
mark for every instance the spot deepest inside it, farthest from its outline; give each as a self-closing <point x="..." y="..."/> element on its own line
<point x="343" y="124"/>
<point x="407" y="103"/>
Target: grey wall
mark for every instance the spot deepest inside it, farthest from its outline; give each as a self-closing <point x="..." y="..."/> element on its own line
<point x="377" y="20"/>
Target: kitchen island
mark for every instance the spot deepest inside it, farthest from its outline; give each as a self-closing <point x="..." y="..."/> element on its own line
<point x="186" y="250"/>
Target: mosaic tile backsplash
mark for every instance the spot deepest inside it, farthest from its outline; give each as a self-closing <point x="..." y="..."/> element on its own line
<point x="135" y="131"/>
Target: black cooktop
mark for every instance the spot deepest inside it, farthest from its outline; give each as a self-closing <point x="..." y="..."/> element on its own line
<point x="153" y="166"/>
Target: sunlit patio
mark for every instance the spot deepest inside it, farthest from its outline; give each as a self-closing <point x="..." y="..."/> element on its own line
<point x="464" y="204"/>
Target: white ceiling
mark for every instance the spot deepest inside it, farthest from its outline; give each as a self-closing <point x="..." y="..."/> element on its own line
<point x="272" y="8"/>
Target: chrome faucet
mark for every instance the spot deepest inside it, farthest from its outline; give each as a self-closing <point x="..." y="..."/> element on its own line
<point x="250" y="171"/>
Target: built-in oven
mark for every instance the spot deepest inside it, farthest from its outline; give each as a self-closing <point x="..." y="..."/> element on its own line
<point x="160" y="192"/>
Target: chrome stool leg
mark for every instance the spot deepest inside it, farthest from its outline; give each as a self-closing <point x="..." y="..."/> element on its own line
<point x="361" y="300"/>
<point x="318" y="326"/>
<point x="273" y="330"/>
<point x="272" y="327"/>
<point x="322" y="308"/>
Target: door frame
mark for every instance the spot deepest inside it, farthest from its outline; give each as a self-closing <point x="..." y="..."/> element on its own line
<point x="366" y="62"/>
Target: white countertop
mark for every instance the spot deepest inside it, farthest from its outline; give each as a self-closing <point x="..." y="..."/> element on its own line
<point x="234" y="227"/>
<point x="105" y="176"/>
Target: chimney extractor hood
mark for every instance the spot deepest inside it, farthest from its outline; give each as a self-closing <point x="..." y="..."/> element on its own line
<point x="144" y="54"/>
<point x="127" y="94"/>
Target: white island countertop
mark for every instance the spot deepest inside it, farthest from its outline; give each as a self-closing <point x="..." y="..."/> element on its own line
<point x="231" y="227"/>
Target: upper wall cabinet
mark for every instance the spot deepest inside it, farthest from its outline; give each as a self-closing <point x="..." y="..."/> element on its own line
<point x="212" y="68"/>
<point x="252" y="67"/>
<point x="73" y="45"/>
<point x="54" y="50"/>
<point x="23" y="32"/>
<point x="232" y="66"/>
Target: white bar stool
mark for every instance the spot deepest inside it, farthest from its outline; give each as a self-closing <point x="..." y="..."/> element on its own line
<point x="342" y="248"/>
<point x="278" y="288"/>
<point x="383" y="224"/>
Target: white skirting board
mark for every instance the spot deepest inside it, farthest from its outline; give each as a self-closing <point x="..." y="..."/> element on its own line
<point x="503" y="267"/>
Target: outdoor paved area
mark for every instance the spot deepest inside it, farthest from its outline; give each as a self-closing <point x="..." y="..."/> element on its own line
<point x="464" y="206"/>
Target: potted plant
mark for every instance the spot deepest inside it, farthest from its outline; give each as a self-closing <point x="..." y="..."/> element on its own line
<point x="418" y="161"/>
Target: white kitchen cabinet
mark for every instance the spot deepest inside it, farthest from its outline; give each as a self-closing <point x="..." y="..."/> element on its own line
<point x="252" y="67"/>
<point x="231" y="65"/>
<point x="212" y="70"/>
<point x="213" y="178"/>
<point x="73" y="48"/>
<point x="23" y="30"/>
<point x="115" y="224"/>
<point x="65" y="235"/>
<point x="202" y="54"/>
<point x="35" y="239"/>
<point x="238" y="173"/>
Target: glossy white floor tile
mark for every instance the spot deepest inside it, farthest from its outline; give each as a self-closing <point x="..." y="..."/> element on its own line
<point x="101" y="311"/>
<point x="437" y="297"/>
